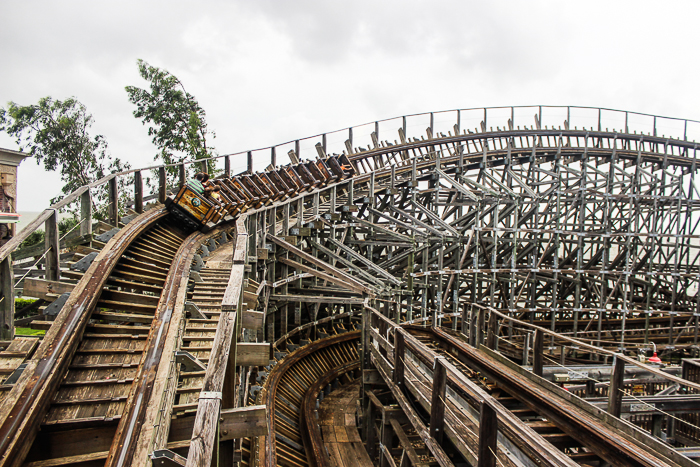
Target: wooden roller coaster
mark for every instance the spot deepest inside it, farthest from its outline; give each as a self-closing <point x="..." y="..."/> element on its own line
<point x="521" y="293"/>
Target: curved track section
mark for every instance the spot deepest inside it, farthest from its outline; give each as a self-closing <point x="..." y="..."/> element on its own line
<point x="72" y="347"/>
<point x="295" y="380"/>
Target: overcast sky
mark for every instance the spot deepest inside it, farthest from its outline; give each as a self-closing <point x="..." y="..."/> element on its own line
<point x="268" y="71"/>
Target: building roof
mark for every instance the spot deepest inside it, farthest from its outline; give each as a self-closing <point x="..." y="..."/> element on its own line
<point x="10" y="157"/>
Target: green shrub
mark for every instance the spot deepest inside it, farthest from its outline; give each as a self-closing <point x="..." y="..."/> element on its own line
<point x="29" y="332"/>
<point x="21" y="303"/>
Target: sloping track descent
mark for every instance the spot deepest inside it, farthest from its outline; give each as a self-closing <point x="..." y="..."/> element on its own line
<point x="496" y="240"/>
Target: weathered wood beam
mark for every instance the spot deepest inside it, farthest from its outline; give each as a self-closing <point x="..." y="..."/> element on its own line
<point x="322" y="264"/>
<point x="243" y="422"/>
<point x="319" y="274"/>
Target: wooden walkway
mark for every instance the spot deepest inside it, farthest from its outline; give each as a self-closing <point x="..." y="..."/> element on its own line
<point x="336" y="415"/>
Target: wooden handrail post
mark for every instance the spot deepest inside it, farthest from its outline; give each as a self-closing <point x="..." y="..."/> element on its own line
<point x="204" y="167"/>
<point x="7" y="302"/>
<point x="437" y="403"/>
<point x="182" y="172"/>
<point x="488" y="436"/>
<point x="464" y="329"/>
<point x="250" y="162"/>
<point x="86" y="213"/>
<point x="113" y="207"/>
<point x="273" y="157"/>
<point x="537" y="353"/>
<point x="227" y="166"/>
<point x="162" y="185"/>
<point x="492" y="332"/>
<point x="480" y="327"/>
<point x="53" y="271"/>
<point x="616" y="383"/>
<point x="138" y="192"/>
<point x="399" y="352"/>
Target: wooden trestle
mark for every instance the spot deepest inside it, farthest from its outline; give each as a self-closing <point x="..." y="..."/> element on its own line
<point x="490" y="296"/>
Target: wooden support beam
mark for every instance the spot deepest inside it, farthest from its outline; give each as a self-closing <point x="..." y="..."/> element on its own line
<point x="113" y="199"/>
<point x="319" y="274"/>
<point x="7" y="300"/>
<point x="368" y="263"/>
<point x="316" y="299"/>
<point x="40" y="288"/>
<point x="86" y="213"/>
<point x="437" y="403"/>
<point x="138" y="192"/>
<point x="53" y="252"/>
<point x="488" y="435"/>
<point x="399" y="354"/>
<point x="492" y="332"/>
<point x="182" y="175"/>
<point x="162" y="185"/>
<point x="252" y="320"/>
<point x="322" y="264"/>
<point x="243" y="422"/>
<point x="252" y="353"/>
<point x="538" y="353"/>
<point x="616" y="384"/>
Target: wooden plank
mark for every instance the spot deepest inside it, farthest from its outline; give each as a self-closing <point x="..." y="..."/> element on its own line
<point x="252" y="319"/>
<point x="40" y="288"/>
<point x="252" y="354"/>
<point x="243" y="422"/>
<point x="316" y="299"/>
<point x="232" y="295"/>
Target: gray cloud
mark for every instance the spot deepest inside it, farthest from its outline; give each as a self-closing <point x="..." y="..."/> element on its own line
<point x="269" y="71"/>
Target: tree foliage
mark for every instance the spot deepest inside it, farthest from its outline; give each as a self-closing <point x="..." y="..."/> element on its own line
<point x="176" y="121"/>
<point x="57" y="133"/>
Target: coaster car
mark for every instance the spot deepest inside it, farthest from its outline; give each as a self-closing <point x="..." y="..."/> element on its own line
<point x="246" y="191"/>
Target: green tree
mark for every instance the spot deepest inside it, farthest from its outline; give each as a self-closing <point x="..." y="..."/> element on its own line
<point x="56" y="133"/>
<point x="176" y="121"/>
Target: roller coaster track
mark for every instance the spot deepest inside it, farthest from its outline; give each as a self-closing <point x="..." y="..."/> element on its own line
<point x="448" y="279"/>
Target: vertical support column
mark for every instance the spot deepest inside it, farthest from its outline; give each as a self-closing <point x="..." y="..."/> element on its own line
<point x="204" y="166"/>
<point x="250" y="162"/>
<point x="162" y="186"/>
<point x="537" y="353"/>
<point x="616" y="383"/>
<point x="113" y="208"/>
<point x="53" y="270"/>
<point x="399" y="351"/>
<point x="371" y="436"/>
<point x="183" y="175"/>
<point x="526" y="348"/>
<point x="138" y="192"/>
<point x="437" y="403"/>
<point x="465" y="320"/>
<point x="480" y="327"/>
<point x="491" y="336"/>
<point x="488" y="436"/>
<point x="86" y="213"/>
<point x="7" y="301"/>
<point x="227" y="166"/>
<point x="273" y="157"/>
